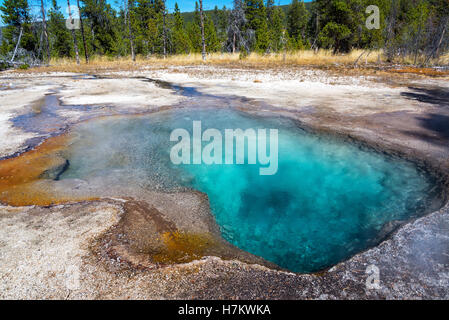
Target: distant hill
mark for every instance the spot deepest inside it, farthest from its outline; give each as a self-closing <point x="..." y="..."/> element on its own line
<point x="188" y="16"/>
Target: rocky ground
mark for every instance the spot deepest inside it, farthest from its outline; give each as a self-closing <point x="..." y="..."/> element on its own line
<point x="77" y="250"/>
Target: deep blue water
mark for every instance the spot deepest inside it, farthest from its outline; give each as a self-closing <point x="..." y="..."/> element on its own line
<point x="329" y="199"/>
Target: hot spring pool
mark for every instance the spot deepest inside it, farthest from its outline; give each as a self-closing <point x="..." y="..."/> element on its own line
<point x="329" y="199"/>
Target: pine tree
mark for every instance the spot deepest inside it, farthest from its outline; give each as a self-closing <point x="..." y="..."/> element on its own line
<point x="439" y="30"/>
<point x="103" y="26"/>
<point x="210" y="34"/>
<point x="416" y="28"/>
<point x="257" y="20"/>
<point x="240" y="36"/>
<point x="270" y="9"/>
<point x="75" y="41"/>
<point x="194" y="30"/>
<point x="203" y="39"/>
<point x="276" y="29"/>
<point x="60" y="42"/>
<point x="220" y="19"/>
<point x="181" y="41"/>
<point x="340" y="20"/>
<point x="83" y="37"/>
<point x="408" y="28"/>
<point x="45" y="31"/>
<point x="375" y="38"/>
<point x="18" y="33"/>
<point x="211" y="41"/>
<point x="129" y="22"/>
<point x="148" y="20"/>
<point x="297" y="19"/>
<point x="417" y="19"/>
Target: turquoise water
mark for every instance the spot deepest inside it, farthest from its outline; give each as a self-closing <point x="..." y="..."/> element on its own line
<point x="329" y="199"/>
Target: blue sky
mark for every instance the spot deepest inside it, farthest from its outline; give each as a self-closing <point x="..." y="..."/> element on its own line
<point x="184" y="5"/>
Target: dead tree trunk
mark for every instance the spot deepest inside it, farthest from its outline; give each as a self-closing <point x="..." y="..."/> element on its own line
<point x="203" y="41"/>
<point x="40" y="44"/>
<point x="317" y="26"/>
<point x="164" y="34"/>
<point x="357" y="60"/>
<point x="17" y="44"/>
<point x="131" y="40"/>
<point x="44" y="29"/>
<point x="437" y="51"/>
<point x="82" y="32"/>
<point x="417" y="46"/>
<point x="75" y="43"/>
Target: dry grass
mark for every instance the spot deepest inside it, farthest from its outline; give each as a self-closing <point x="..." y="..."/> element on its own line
<point x="309" y="57"/>
<point x="444" y="60"/>
<point x="422" y="60"/>
<point x="322" y="58"/>
<point x="300" y="58"/>
<point x="306" y="57"/>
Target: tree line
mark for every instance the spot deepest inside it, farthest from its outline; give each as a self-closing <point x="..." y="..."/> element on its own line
<point x="413" y="28"/>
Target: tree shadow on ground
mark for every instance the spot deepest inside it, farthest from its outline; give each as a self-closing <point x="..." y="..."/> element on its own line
<point x="437" y="127"/>
<point x="435" y="96"/>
